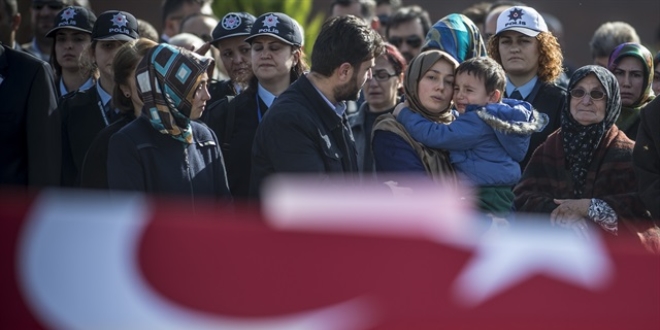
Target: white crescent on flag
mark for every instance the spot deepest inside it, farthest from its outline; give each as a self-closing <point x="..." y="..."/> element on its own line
<point x="79" y="271"/>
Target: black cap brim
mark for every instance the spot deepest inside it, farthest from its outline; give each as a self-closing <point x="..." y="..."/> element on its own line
<point x="250" y="38"/>
<point x="241" y="34"/>
<point x="52" y="32"/>
<point x="117" y="37"/>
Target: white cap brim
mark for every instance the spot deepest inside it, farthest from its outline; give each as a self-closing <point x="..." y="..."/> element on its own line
<point x="525" y="31"/>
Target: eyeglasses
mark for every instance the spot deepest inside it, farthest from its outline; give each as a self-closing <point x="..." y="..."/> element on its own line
<point x="50" y="5"/>
<point x="412" y="41"/>
<point x="382" y="75"/>
<point x="580" y="93"/>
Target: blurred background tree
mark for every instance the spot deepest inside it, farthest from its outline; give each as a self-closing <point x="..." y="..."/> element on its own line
<point x="300" y="10"/>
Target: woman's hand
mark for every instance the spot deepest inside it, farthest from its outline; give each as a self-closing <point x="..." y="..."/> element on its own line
<point x="571" y="214"/>
<point x="399" y="107"/>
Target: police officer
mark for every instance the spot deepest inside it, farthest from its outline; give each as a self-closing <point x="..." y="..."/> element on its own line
<point x="85" y="113"/>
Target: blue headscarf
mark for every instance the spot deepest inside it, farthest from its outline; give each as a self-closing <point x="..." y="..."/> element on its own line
<point x="457" y="35"/>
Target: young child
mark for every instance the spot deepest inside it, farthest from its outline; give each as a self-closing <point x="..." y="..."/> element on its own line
<point x="488" y="138"/>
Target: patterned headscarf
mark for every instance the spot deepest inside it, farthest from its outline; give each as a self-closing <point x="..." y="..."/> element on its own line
<point x="167" y="78"/>
<point x="630" y="114"/>
<point x="457" y="35"/>
<point x="416" y="70"/>
<point x="581" y="142"/>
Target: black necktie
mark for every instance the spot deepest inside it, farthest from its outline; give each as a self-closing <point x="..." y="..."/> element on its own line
<point x="516" y="95"/>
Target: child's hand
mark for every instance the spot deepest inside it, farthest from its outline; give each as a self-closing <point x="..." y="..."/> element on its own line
<point x="398" y="108"/>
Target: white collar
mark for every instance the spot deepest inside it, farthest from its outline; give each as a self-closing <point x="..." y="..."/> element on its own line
<point x="265" y="95"/>
<point x="105" y="97"/>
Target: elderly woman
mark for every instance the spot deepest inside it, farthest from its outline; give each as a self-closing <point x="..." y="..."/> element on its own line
<point x="632" y="65"/>
<point x="381" y="93"/>
<point x="428" y="87"/>
<point x="165" y="150"/>
<point x="582" y="176"/>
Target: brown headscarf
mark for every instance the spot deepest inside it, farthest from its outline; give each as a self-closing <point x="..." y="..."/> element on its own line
<point x="416" y="70"/>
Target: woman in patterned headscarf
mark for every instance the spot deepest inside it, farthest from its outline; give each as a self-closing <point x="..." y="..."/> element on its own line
<point x="582" y="176"/>
<point x="457" y="35"/>
<point x="428" y="87"/>
<point x="164" y="150"/>
<point x="632" y="65"/>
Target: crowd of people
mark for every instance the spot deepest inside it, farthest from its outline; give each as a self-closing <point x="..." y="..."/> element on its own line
<point x="214" y="106"/>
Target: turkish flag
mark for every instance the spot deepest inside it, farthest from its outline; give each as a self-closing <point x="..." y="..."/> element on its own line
<point x="76" y="260"/>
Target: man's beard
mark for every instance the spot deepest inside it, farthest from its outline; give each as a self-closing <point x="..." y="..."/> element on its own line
<point x="349" y="91"/>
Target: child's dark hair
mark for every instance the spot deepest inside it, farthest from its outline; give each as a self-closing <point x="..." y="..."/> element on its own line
<point x="486" y="69"/>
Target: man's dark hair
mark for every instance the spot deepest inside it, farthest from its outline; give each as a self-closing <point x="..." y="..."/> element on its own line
<point x="487" y="70"/>
<point x="170" y="6"/>
<point x="344" y="39"/>
<point x="407" y="14"/>
<point x="477" y="12"/>
<point x="367" y="7"/>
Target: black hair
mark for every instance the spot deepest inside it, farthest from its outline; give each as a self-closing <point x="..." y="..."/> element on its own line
<point x="367" y="7"/>
<point x="407" y="14"/>
<point x="487" y="70"/>
<point x="170" y="6"/>
<point x="344" y="39"/>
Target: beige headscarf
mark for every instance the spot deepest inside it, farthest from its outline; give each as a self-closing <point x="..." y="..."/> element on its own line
<point x="416" y="70"/>
<point x="436" y="162"/>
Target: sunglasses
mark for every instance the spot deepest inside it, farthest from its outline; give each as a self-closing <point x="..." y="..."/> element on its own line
<point x="384" y="19"/>
<point x="412" y="41"/>
<point x="382" y="75"/>
<point x="594" y="95"/>
<point x="50" y="5"/>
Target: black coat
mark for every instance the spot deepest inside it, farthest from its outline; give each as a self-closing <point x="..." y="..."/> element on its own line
<point x="549" y="99"/>
<point x="219" y="89"/>
<point x="237" y="150"/>
<point x="82" y="119"/>
<point x="28" y="126"/>
<point x="301" y="133"/>
<point x="94" y="172"/>
<point x="140" y="158"/>
<point x="646" y="157"/>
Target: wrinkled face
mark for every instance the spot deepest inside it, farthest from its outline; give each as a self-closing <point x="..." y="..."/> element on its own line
<point x="519" y="53"/>
<point x="272" y="59"/>
<point x="585" y="110"/>
<point x="236" y="57"/>
<point x="656" y="79"/>
<point x="630" y="75"/>
<point x="408" y="37"/>
<point x="42" y="15"/>
<point x="436" y="86"/>
<point x="104" y="53"/>
<point x="201" y="96"/>
<point x="381" y="90"/>
<point x="350" y="91"/>
<point x="470" y="89"/>
<point x="69" y="45"/>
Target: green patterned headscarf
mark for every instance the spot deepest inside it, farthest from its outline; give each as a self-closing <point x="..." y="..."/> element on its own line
<point x="167" y="78"/>
<point x="458" y="36"/>
<point x="630" y="114"/>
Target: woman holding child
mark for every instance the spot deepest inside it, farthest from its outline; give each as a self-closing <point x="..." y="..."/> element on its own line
<point x="428" y="88"/>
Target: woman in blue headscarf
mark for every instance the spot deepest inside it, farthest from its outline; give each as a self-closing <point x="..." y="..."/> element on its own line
<point x="458" y="36"/>
<point x="165" y="151"/>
